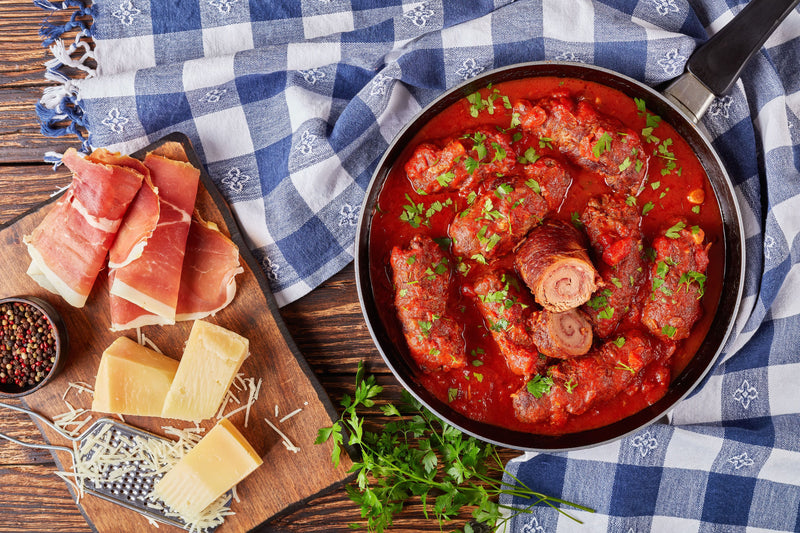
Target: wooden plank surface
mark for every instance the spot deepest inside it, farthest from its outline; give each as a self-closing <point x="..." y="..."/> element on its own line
<point x="327" y="325"/>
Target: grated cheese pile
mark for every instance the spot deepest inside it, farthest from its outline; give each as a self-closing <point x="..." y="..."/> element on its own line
<point x="98" y="460"/>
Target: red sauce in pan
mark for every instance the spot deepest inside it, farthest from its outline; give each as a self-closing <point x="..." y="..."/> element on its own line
<point x="486" y="384"/>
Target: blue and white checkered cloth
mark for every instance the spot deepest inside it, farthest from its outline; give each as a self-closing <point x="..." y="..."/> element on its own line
<point x="291" y="105"/>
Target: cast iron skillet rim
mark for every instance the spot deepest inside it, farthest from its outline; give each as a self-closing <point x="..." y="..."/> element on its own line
<point x="511" y="438"/>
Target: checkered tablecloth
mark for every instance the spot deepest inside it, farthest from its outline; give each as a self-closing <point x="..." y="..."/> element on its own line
<point x="291" y="104"/>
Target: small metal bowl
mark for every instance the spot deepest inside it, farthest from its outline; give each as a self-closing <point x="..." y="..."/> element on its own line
<point x="9" y="389"/>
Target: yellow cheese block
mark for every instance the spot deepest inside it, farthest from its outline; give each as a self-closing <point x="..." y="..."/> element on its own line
<point x="132" y="379"/>
<point x="218" y="462"/>
<point x="210" y="361"/>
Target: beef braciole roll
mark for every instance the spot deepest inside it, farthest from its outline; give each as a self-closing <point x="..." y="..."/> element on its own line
<point x="562" y="335"/>
<point x="580" y="383"/>
<point x="588" y="138"/>
<point x="497" y="220"/>
<point x="461" y="163"/>
<point x="554" y="264"/>
<point x="551" y="178"/>
<point x="678" y="278"/>
<point x="614" y="232"/>
<point x="506" y="308"/>
<point x="422" y="276"/>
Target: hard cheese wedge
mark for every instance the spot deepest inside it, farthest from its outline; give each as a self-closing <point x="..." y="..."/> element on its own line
<point x="218" y="462"/>
<point x="132" y="379"/>
<point x="210" y="361"/>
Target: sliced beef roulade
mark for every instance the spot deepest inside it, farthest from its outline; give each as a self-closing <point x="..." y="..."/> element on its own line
<point x="562" y="335"/>
<point x="554" y="264"/>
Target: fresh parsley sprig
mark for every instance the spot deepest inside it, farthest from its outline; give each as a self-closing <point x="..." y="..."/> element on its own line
<point x="419" y="455"/>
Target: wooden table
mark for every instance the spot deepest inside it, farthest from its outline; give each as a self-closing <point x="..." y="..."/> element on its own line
<point x="327" y="324"/>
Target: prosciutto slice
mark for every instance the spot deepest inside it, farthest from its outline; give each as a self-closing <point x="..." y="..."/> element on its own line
<point x="208" y="281"/>
<point x="139" y="223"/>
<point x="69" y="247"/>
<point x="152" y="281"/>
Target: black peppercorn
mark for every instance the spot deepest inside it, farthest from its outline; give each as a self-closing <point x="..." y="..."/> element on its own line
<point x="27" y="350"/>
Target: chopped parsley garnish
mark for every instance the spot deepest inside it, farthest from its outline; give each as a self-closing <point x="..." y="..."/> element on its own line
<point x="655" y="185"/>
<point x="607" y="313"/>
<point x="479" y="259"/>
<point x="662" y="269"/>
<point x="452" y="394"/>
<point x="603" y="144"/>
<point x="569" y="385"/>
<point x="669" y="331"/>
<point x="499" y="152"/>
<point x="546" y="142"/>
<point x="501" y="325"/>
<point x="625" y="164"/>
<point x="619" y="342"/>
<point x="445" y="179"/>
<point x="674" y="231"/>
<point x="647" y="208"/>
<point x="425" y="327"/>
<point x="617" y="283"/>
<point x="696" y="209"/>
<point x="630" y="200"/>
<point x="437" y="269"/>
<point x="640" y="105"/>
<point x="576" y="220"/>
<point x="540" y="385"/>
<point x="471" y="165"/>
<point x="623" y="366"/>
<point x="694" y="277"/>
<point x="477" y="362"/>
<point x="534" y="186"/>
<point x="412" y="212"/>
<point x="530" y="156"/>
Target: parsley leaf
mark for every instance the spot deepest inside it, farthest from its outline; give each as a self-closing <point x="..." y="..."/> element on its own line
<point x="540" y="385"/>
<point x="602" y="144"/>
<point x="417" y="456"/>
<point x="674" y="231"/>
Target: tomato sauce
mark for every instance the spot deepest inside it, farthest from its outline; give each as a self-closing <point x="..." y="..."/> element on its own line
<point x="485" y="385"/>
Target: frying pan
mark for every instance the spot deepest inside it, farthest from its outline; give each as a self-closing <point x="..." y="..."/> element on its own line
<point x="711" y="70"/>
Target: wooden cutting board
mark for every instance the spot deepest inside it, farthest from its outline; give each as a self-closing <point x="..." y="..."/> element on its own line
<point x="286" y="479"/>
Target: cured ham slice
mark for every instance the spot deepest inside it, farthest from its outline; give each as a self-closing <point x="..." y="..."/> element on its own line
<point x="69" y="247"/>
<point x="139" y="223"/>
<point x="556" y="267"/>
<point x="208" y="281"/>
<point x="208" y="278"/>
<point x="152" y="281"/>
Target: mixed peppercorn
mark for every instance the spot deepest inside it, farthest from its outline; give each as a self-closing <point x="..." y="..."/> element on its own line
<point x="27" y="345"/>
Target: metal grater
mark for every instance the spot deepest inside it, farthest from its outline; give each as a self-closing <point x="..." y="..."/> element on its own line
<point x="127" y="483"/>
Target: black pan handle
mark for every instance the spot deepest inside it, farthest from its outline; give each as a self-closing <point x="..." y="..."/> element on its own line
<point x="719" y="62"/>
<point x="716" y="65"/>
